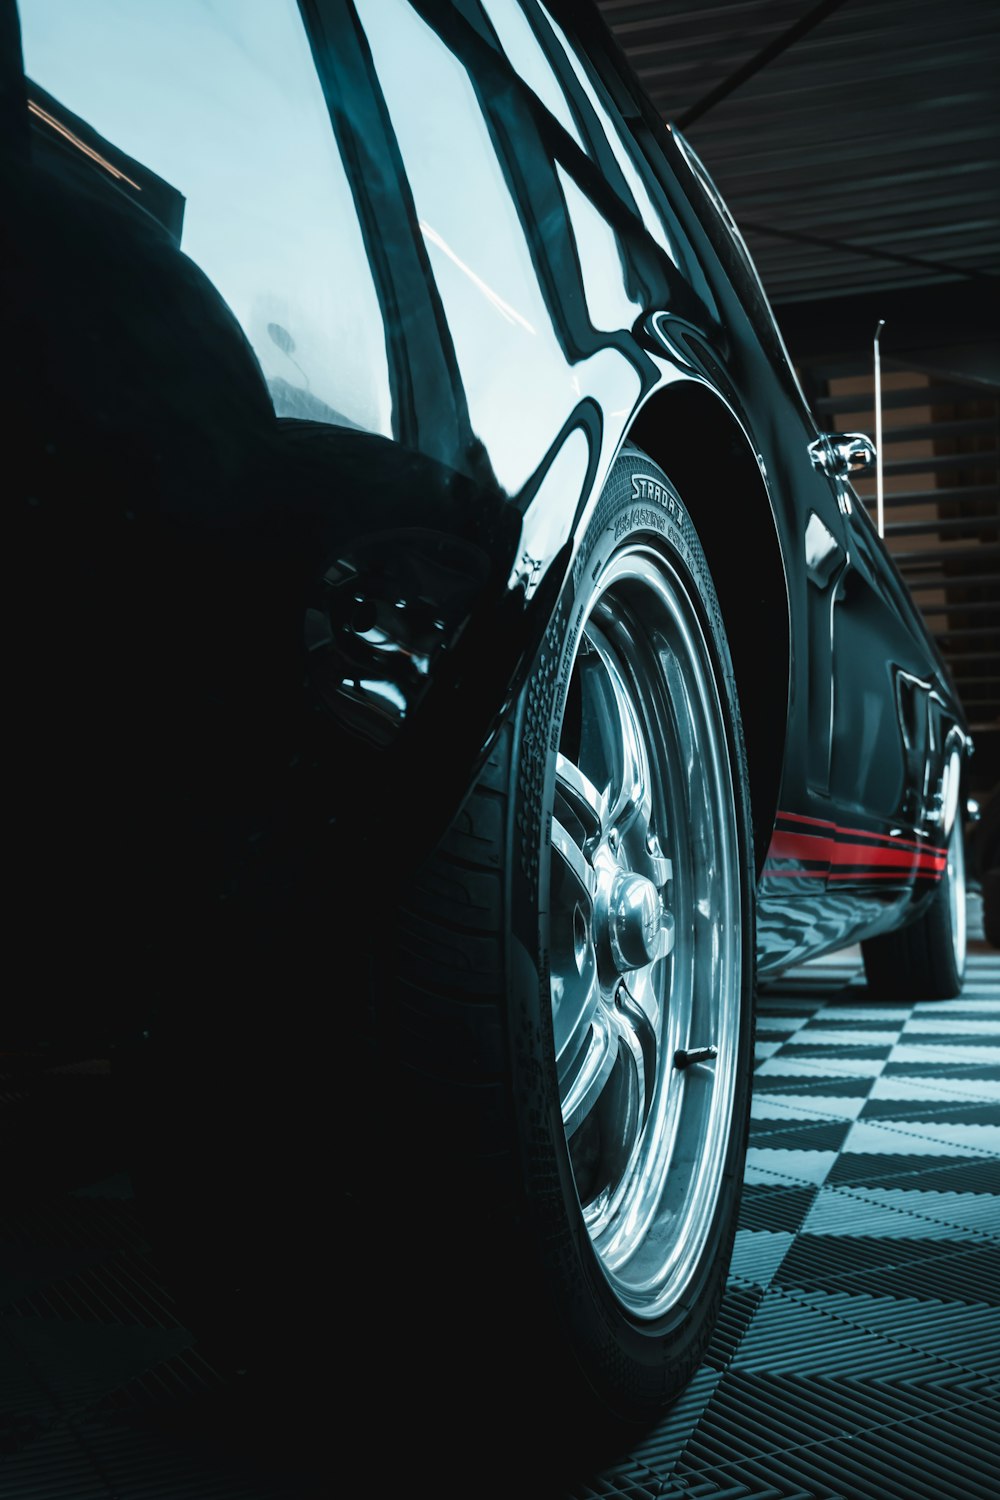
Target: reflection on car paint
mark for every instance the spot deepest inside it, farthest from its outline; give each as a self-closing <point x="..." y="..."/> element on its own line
<point x="498" y="323"/>
<point x="250" y="150"/>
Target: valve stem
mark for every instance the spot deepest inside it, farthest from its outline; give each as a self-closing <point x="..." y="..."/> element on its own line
<point x="685" y="1056"/>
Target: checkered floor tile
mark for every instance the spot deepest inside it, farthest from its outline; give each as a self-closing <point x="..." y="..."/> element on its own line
<point x="857" y="1355"/>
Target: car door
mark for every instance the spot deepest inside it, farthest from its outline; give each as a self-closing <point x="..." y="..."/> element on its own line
<point x="884" y="757"/>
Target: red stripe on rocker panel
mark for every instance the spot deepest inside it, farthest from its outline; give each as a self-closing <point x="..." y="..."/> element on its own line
<point x="799" y="846"/>
<point x="863" y="833"/>
<point x="904" y="860"/>
<point x="858" y="855"/>
<point x="800" y="818"/>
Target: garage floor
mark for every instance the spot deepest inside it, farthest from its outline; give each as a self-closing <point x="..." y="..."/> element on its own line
<point x="858" y="1354"/>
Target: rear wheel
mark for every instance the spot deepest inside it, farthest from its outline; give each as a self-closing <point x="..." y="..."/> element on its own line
<point x="570" y="998"/>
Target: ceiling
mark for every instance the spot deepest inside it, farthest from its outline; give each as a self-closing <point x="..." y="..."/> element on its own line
<point x="857" y="145"/>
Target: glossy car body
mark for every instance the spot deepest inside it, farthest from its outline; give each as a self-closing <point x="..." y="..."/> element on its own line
<point x="522" y="278"/>
<point x="333" y="320"/>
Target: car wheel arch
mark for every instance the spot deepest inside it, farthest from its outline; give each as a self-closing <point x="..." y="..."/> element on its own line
<point x="699" y="443"/>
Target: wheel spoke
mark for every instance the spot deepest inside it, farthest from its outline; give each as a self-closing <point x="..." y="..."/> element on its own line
<point x="644" y="987"/>
<point x="581" y="796"/>
<point x="611" y="1032"/>
<point x="575" y="864"/>
<point x="593" y="1069"/>
<point x="610" y="1108"/>
<point x="656" y="866"/>
<point x="640" y="1037"/>
<point x="612" y="742"/>
<point x="575" y="985"/>
<point x="630" y="800"/>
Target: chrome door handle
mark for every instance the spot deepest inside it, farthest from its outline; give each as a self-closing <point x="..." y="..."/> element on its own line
<point x="841" y="453"/>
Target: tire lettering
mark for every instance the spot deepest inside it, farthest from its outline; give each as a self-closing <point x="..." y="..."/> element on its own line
<point x="645" y="487"/>
<point x="640" y="516"/>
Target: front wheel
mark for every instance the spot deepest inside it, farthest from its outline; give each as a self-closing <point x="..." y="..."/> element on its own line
<point x="570" y="998"/>
<point x="926" y="959"/>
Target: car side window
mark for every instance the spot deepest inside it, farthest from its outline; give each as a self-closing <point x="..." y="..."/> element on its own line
<point x="222" y="103"/>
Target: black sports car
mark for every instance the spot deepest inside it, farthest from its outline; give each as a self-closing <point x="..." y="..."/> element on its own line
<point x="449" y="667"/>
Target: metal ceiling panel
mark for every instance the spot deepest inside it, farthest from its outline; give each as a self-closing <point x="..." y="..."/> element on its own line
<point x="857" y="144"/>
<point x="864" y="150"/>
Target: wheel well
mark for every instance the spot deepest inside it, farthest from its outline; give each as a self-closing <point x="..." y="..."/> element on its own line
<point x="702" y="448"/>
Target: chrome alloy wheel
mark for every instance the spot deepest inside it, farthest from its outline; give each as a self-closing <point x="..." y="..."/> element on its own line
<point x="950" y="802"/>
<point x="955" y="877"/>
<point x="646" y="939"/>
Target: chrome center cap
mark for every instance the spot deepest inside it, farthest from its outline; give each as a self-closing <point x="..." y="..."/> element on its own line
<point x="635" y="921"/>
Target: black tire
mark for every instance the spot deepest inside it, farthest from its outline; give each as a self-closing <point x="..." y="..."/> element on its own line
<point x="991" y="907"/>
<point x="514" y="947"/>
<point x="926" y="959"/>
<point x="984" y="851"/>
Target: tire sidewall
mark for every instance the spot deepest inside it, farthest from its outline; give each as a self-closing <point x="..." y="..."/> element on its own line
<point x="642" y="1363"/>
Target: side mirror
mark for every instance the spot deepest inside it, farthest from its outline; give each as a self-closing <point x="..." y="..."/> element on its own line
<point x="839" y="453"/>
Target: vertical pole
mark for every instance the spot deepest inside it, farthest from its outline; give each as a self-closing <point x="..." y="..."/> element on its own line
<point x="878" y="431"/>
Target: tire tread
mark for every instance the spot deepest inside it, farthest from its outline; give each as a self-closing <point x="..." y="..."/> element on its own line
<point x="915" y="962"/>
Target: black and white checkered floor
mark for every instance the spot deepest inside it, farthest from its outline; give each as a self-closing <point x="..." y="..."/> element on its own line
<point x="858" y="1352"/>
